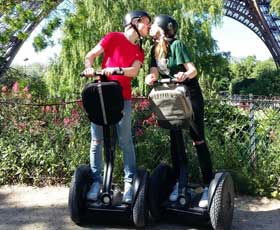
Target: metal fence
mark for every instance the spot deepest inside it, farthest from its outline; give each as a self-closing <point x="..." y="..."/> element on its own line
<point x="251" y="121"/>
<point x="255" y="123"/>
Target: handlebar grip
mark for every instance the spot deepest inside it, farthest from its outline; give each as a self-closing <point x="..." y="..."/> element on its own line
<point x="95" y="73"/>
<point x="166" y="80"/>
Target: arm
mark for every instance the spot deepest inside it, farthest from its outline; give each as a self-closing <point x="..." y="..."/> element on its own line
<point x="153" y="76"/>
<point x="131" y="71"/>
<point x="91" y="55"/>
<point x="190" y="73"/>
<point x="191" y="70"/>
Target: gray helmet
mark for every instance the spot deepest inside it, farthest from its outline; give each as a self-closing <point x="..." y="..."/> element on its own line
<point x="134" y="14"/>
<point x="168" y="24"/>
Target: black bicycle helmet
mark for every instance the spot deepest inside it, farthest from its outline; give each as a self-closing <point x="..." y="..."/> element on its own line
<point x="134" y="14"/>
<point x="168" y="24"/>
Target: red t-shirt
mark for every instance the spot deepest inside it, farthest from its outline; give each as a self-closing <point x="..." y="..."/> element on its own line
<point x="120" y="52"/>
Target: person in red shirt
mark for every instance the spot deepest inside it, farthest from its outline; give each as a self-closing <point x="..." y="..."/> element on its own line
<point x="121" y="52"/>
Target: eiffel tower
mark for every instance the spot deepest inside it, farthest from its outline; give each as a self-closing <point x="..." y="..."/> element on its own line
<point x="255" y="14"/>
<point x="9" y="50"/>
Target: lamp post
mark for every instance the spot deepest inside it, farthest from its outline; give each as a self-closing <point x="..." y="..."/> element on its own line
<point x="25" y="65"/>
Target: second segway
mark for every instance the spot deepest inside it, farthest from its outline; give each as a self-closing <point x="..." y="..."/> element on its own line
<point x="173" y="111"/>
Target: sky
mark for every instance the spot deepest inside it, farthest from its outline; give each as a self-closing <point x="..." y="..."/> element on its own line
<point x="232" y="37"/>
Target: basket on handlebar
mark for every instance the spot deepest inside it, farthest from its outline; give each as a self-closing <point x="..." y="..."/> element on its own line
<point x="172" y="106"/>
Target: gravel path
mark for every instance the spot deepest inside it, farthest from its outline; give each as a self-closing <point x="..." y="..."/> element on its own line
<point x="24" y="207"/>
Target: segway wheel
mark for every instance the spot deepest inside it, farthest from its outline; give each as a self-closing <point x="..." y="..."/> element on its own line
<point x="160" y="186"/>
<point x="222" y="206"/>
<point x="77" y="193"/>
<point x="140" y="210"/>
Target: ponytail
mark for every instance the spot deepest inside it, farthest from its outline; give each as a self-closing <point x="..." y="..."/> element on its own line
<point x="161" y="48"/>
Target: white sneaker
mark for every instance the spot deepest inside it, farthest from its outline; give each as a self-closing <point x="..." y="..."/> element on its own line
<point x="94" y="191"/>
<point x="128" y="192"/>
<point x="174" y="195"/>
<point x="203" y="203"/>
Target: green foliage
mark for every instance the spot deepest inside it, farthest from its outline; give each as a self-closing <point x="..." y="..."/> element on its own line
<point x="30" y="76"/>
<point x="45" y="144"/>
<point x="244" y="68"/>
<point x="93" y="19"/>
<point x="227" y="133"/>
<point x="43" y="39"/>
<point x="266" y="176"/>
<point x="16" y="15"/>
<point x="256" y="77"/>
<point x="40" y="145"/>
<point x="227" y="130"/>
<point x="275" y="6"/>
<point x="151" y="142"/>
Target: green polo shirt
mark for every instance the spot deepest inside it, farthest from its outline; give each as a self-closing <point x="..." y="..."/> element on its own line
<point x="178" y="56"/>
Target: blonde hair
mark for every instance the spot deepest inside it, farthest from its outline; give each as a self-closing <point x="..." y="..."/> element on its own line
<point x="161" y="45"/>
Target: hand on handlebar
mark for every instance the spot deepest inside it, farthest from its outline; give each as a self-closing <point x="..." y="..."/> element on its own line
<point x="181" y="76"/>
<point x="108" y="71"/>
<point x="88" y="72"/>
<point x="150" y="79"/>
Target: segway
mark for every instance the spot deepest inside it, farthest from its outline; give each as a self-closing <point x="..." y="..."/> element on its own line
<point x="103" y="103"/>
<point x="173" y="110"/>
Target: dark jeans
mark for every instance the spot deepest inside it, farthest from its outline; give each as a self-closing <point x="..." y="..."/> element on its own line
<point x="179" y="158"/>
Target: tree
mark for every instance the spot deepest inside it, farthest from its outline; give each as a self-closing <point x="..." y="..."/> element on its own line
<point x="262" y="77"/>
<point x="93" y="19"/>
<point x="17" y="20"/>
<point x="275" y="6"/>
<point x="243" y="68"/>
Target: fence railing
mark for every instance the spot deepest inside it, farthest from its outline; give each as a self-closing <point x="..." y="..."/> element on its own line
<point x="257" y="122"/>
<point x="252" y="121"/>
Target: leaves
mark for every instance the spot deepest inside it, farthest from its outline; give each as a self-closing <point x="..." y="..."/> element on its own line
<point x="91" y="20"/>
<point x="275" y="6"/>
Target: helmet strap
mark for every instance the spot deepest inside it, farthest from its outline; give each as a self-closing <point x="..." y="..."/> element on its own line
<point x="139" y="35"/>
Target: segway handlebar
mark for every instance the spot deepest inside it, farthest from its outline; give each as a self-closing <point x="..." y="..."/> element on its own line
<point x="166" y="80"/>
<point x="99" y="73"/>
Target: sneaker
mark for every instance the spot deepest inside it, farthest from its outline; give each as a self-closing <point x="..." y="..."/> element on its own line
<point x="127" y="194"/>
<point x="203" y="203"/>
<point x="174" y="195"/>
<point x="94" y="191"/>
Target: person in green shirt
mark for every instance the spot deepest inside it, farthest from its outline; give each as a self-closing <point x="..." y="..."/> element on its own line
<point x="170" y="58"/>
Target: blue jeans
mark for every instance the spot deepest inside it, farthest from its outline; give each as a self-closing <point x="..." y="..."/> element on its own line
<point x="125" y="141"/>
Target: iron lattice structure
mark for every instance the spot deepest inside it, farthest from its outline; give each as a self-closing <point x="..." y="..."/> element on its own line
<point x="256" y="15"/>
<point x="10" y="49"/>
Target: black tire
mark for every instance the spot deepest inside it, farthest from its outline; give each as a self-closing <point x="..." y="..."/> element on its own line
<point x="77" y="194"/>
<point x="222" y="206"/>
<point x="160" y="186"/>
<point x="140" y="210"/>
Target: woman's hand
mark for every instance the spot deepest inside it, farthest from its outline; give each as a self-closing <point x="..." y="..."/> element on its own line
<point x="150" y="79"/>
<point x="88" y="72"/>
<point x="181" y="76"/>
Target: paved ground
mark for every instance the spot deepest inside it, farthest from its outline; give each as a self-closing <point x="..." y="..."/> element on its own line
<point x="23" y="207"/>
